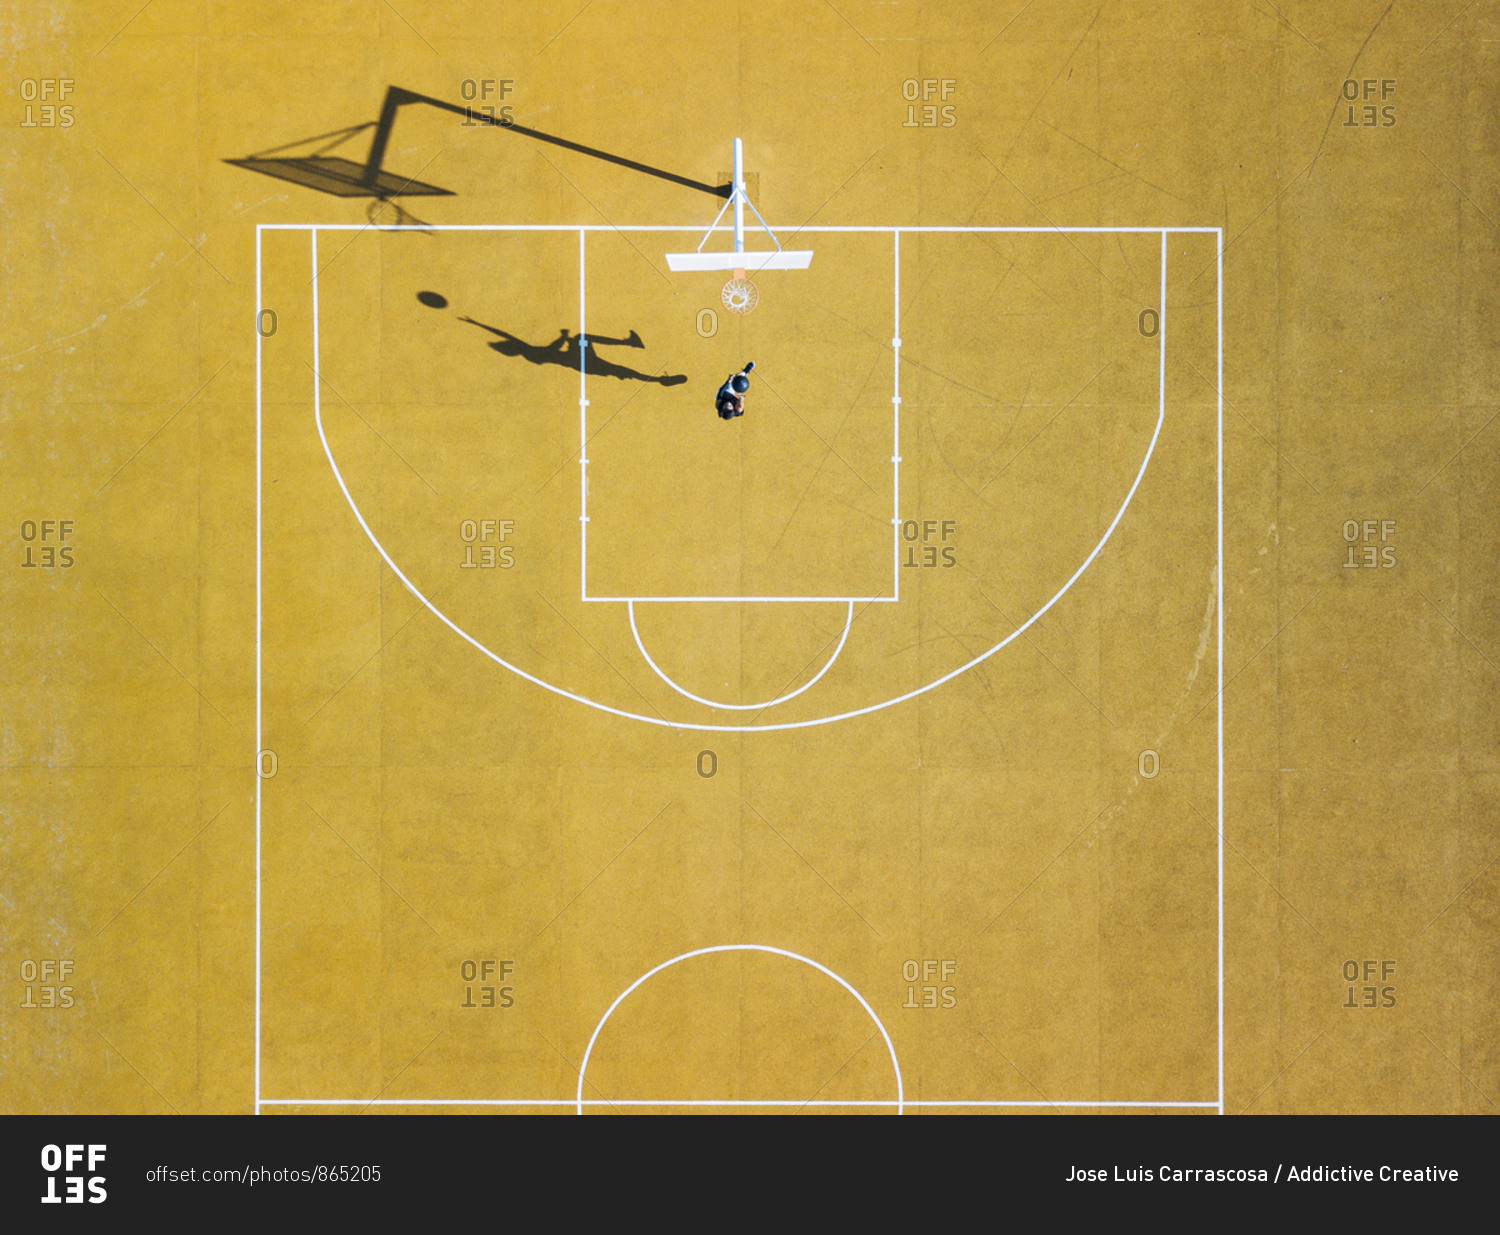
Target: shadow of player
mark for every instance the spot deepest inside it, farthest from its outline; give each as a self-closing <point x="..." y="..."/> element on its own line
<point x="563" y="351"/>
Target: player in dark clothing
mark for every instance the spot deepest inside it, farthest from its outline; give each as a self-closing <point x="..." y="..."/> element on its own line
<point x="730" y="400"/>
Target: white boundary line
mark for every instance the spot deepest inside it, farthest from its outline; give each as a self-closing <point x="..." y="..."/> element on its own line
<point x="739" y="707"/>
<point x="261" y="1102"/>
<point x="896" y="418"/>
<point x="710" y="1102"/>
<point x="583" y="1067"/>
<point x="672" y="227"/>
<point x="258" y="747"/>
<point x="583" y="434"/>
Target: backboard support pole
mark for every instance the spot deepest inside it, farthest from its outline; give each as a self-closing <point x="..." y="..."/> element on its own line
<point x="739" y="259"/>
<point x="738" y="194"/>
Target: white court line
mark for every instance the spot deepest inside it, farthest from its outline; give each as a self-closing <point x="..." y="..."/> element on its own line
<point x="584" y="481"/>
<point x="740" y="707"/>
<point x="748" y="600"/>
<point x="1218" y="245"/>
<point x="896" y="418"/>
<point x="693" y="227"/>
<point x="583" y="434"/>
<point x="711" y="1102"/>
<point x="661" y="721"/>
<point x="583" y="1067"/>
<point x="258" y="341"/>
<point x="261" y="1102"/>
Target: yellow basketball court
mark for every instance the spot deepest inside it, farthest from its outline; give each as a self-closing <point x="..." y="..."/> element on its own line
<point x="441" y="707"/>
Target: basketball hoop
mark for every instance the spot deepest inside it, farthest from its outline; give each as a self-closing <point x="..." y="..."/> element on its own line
<point x="739" y="294"/>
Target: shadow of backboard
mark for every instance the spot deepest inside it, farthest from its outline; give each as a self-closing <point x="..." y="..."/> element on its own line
<point x="340" y="177"/>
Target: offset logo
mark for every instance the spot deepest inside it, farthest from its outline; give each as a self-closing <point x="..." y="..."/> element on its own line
<point x="52" y="992"/>
<point x="53" y="1160"/>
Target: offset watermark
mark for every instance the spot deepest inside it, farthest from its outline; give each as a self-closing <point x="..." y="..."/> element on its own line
<point x="1365" y="105"/>
<point x="475" y="92"/>
<point x="927" y="543"/>
<point x="488" y="537"/>
<point x="927" y="105"/>
<point x="489" y="979"/>
<point x="1368" y="984"/>
<point x="930" y="983"/>
<point x="47" y="983"/>
<point x="45" y="543"/>
<point x="37" y="112"/>
<point x="54" y="1157"/>
<point x="1368" y="544"/>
